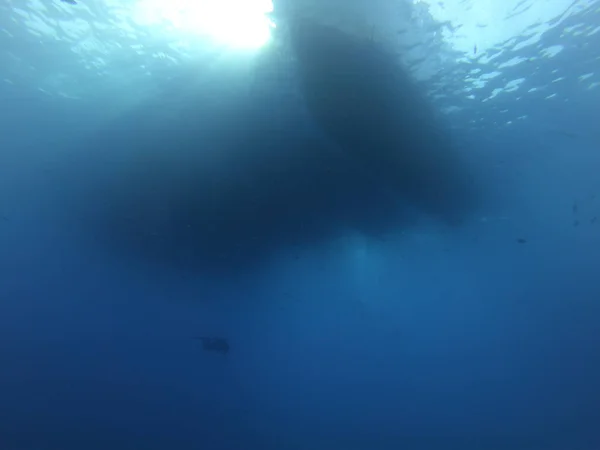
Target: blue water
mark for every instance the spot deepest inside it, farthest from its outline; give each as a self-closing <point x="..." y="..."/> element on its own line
<point x="457" y="310"/>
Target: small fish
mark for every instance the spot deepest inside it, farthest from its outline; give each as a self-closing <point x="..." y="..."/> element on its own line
<point x="214" y="344"/>
<point x="475" y="49"/>
<point x="575" y="208"/>
<point x="576" y="223"/>
<point x="593" y="219"/>
<point x="566" y="133"/>
<point x="522" y="240"/>
<point x="70" y="2"/>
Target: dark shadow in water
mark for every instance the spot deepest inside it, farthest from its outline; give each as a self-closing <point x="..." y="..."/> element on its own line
<point x="195" y="180"/>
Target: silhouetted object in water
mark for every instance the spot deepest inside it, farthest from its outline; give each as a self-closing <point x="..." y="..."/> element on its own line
<point x="372" y="156"/>
<point x="70" y="2"/>
<point x="214" y="344"/>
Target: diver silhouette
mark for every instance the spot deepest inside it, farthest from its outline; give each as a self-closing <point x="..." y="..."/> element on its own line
<point x="214" y="344"/>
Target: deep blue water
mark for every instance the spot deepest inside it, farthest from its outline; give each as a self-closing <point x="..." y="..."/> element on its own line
<point x="441" y="296"/>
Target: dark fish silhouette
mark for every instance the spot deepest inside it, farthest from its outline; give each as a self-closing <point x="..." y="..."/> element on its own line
<point x="214" y="344"/>
<point x="70" y="2"/>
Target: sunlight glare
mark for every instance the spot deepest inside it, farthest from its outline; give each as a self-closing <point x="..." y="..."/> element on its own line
<point x="236" y="23"/>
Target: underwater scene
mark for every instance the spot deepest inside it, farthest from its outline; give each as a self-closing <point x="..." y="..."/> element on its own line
<point x="299" y="224"/>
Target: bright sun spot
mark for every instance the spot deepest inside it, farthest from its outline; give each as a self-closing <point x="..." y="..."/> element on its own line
<point x="237" y="23"/>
